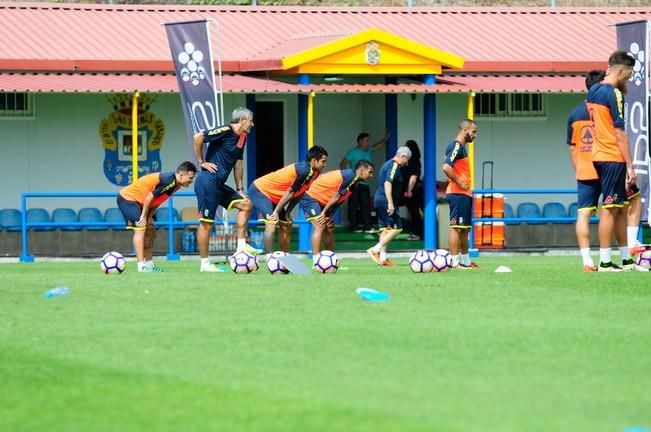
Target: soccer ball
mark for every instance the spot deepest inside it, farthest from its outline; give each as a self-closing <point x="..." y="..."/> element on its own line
<point x="274" y="265"/>
<point x="441" y="259"/>
<point x="644" y="259"/>
<point x="242" y="262"/>
<point x="113" y="262"/>
<point x="421" y="262"/>
<point x="326" y="262"/>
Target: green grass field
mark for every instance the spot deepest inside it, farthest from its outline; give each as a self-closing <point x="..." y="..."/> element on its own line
<point x="545" y="348"/>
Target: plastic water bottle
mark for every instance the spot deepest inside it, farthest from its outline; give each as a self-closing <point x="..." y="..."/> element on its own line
<point x="57" y="292"/>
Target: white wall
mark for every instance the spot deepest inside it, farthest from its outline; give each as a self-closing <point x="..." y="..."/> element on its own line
<point x="60" y="150"/>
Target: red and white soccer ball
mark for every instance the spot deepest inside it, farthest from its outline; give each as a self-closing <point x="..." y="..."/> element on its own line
<point x="113" y="262"/>
<point x="644" y="259"/>
<point x="421" y="262"/>
<point x="242" y="262"/>
<point x="441" y="259"/>
<point x="326" y="262"/>
<point x="274" y="265"/>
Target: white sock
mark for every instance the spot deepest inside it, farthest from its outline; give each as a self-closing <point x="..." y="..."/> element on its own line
<point x="383" y="256"/>
<point x="314" y="257"/>
<point x="455" y="260"/>
<point x="604" y="255"/>
<point x="377" y="247"/>
<point x="465" y="259"/>
<point x="141" y="265"/>
<point x="149" y="263"/>
<point x="241" y="244"/>
<point x="623" y="252"/>
<point x="587" y="259"/>
<point x="631" y="235"/>
<point x="205" y="262"/>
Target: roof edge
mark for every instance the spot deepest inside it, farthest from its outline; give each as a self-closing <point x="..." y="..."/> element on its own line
<point x="338" y="10"/>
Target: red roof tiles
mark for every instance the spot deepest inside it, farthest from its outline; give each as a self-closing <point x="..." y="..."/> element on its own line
<point x="70" y="37"/>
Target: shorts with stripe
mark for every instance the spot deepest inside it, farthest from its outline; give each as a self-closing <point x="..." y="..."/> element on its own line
<point x="211" y="194"/>
<point x="588" y="192"/>
<point x="612" y="178"/>
<point x="460" y="210"/>
<point x="387" y="221"/>
<point x="263" y="204"/>
<point x="312" y="208"/>
<point x="131" y="210"/>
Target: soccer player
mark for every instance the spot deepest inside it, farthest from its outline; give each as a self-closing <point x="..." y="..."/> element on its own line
<point x="611" y="156"/>
<point x="459" y="194"/>
<point x="386" y="204"/>
<point x="138" y="203"/>
<point x="277" y="193"/>
<point x="224" y="153"/>
<point x="325" y="195"/>
<point x="580" y="135"/>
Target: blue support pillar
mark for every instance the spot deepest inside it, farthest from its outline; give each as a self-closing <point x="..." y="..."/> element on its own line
<point x="304" y="230"/>
<point x="429" y="169"/>
<point x="391" y="120"/>
<point x="251" y="145"/>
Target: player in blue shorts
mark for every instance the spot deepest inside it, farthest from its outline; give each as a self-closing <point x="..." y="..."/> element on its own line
<point x="385" y="199"/>
<point x="224" y="152"/>
<point x="459" y="194"/>
<point x="580" y="135"/>
<point x="275" y="195"/>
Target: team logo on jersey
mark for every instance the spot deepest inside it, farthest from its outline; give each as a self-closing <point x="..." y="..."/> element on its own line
<point x="117" y="139"/>
<point x="638" y="69"/>
<point x="190" y="60"/>
<point x="610" y="199"/>
<point x="587" y="135"/>
<point x="453" y="221"/>
<point x="373" y="53"/>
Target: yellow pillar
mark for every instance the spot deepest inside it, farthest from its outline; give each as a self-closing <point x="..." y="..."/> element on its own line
<point x="134" y="137"/>
<point x="310" y="120"/>
<point x="471" y="145"/>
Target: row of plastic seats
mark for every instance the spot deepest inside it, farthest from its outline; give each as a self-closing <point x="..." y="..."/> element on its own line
<point x="532" y="210"/>
<point x="10" y="218"/>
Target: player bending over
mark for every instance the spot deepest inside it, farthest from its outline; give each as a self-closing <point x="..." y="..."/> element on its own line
<point x="325" y="195"/>
<point x="138" y="203"/>
<point x="276" y="194"/>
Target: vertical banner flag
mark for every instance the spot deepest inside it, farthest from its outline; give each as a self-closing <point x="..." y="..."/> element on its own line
<point x="633" y="38"/>
<point x="190" y="45"/>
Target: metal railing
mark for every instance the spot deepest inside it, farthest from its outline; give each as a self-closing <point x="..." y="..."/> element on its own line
<point x="170" y="223"/>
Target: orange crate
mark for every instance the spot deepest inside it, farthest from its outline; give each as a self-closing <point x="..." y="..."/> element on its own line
<point x="489" y="205"/>
<point x="489" y="235"/>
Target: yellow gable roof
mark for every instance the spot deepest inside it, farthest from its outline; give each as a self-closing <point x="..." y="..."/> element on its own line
<point x="371" y="51"/>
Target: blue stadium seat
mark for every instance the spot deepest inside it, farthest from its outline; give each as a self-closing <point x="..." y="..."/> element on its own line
<point x="91" y="214"/>
<point x="39" y="215"/>
<point x="554" y="210"/>
<point x="162" y="217"/>
<point x="10" y="219"/>
<point x="509" y="213"/>
<point x="60" y="215"/>
<point x="529" y="210"/>
<point x="572" y="210"/>
<point x="114" y="214"/>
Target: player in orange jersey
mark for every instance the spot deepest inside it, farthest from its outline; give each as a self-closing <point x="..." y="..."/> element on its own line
<point x="459" y="194"/>
<point x="138" y="203"/>
<point x="611" y="156"/>
<point x="580" y="136"/>
<point x="277" y="193"/>
<point x="325" y="195"/>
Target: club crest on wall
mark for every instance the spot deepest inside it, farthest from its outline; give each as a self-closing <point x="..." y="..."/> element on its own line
<point x="116" y="137"/>
<point x="372" y="53"/>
